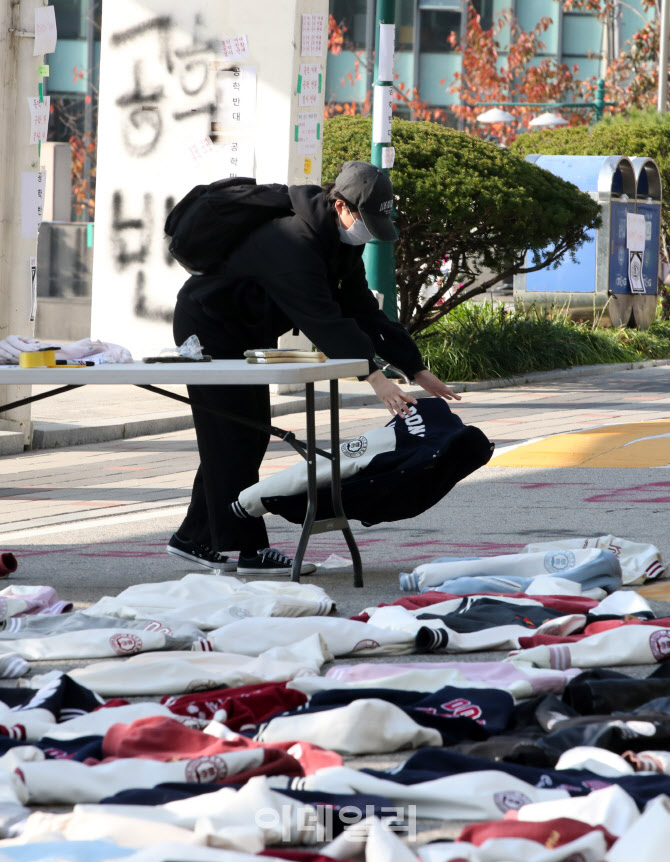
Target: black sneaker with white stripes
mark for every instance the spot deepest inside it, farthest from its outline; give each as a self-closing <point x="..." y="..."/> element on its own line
<point x="200" y="554"/>
<point x="270" y="561"/>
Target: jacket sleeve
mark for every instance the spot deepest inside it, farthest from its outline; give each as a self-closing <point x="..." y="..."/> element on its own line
<point x="304" y="297"/>
<point x="391" y="340"/>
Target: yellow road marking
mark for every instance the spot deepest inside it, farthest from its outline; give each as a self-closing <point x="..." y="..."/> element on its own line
<point x="642" y="444"/>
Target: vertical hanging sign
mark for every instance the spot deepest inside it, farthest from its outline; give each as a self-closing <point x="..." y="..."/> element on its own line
<point x="386" y="52"/>
<point x="32" y="202"/>
<point x="382" y="113"/>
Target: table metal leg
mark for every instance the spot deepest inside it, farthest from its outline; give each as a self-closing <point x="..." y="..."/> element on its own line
<point x="23" y="401"/>
<point x="310" y="525"/>
<point x="336" y="487"/>
<point x="311" y="482"/>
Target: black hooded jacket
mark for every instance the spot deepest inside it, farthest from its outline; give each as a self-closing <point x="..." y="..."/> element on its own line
<point x="294" y="272"/>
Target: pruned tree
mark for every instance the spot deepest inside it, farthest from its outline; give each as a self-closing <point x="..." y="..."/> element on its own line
<point x="468" y="212"/>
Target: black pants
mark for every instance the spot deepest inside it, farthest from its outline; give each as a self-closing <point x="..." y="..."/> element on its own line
<point x="230" y="453"/>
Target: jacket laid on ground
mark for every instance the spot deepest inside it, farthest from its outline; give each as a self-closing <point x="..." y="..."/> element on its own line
<point x="295" y="272"/>
<point x="393" y="472"/>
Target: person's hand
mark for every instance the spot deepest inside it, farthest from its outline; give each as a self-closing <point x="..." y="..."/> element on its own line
<point x="433" y="385"/>
<point x="390" y="394"/>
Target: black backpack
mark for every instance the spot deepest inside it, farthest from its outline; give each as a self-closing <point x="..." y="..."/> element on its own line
<point x="211" y="220"/>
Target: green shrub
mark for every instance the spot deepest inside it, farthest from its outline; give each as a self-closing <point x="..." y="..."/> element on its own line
<point x="470" y="202"/>
<point x="485" y="341"/>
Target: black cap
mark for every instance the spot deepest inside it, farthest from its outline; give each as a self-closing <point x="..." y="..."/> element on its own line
<point x="370" y="191"/>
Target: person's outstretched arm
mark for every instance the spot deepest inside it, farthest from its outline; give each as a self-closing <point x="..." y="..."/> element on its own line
<point x="395" y="399"/>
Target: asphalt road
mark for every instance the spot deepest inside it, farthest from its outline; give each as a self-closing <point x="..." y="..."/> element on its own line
<point x="92" y="520"/>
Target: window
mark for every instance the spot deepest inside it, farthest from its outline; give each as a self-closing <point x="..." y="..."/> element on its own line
<point x="436" y="25"/>
<point x="484" y="9"/>
<point x="404" y="25"/>
<point x="353" y="14"/>
<point x="70" y="18"/>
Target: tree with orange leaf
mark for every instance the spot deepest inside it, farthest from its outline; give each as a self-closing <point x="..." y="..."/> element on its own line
<point x="631" y="76"/>
<point x="512" y="75"/>
<point x="402" y="93"/>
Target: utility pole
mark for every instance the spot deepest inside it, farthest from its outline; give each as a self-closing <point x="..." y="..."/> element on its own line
<point x="20" y="80"/>
<point x="663" y="57"/>
<point x="379" y="256"/>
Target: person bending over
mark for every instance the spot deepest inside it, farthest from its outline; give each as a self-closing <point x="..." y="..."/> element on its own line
<point x="302" y="271"/>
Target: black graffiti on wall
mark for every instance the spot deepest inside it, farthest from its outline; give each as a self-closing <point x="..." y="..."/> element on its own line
<point x="171" y="82"/>
<point x="132" y="232"/>
<point x="143" y="307"/>
<point x="153" y="50"/>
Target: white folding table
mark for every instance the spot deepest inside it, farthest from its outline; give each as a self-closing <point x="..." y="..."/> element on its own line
<point x="229" y="372"/>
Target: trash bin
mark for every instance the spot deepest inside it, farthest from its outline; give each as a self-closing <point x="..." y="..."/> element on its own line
<point x="595" y="285"/>
<point x="649" y="196"/>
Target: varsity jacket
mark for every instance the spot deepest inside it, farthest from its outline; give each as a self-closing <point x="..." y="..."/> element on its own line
<point x="389" y="473"/>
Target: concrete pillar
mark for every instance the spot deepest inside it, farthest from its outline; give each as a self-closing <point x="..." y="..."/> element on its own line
<point x="57" y="162"/>
<point x="161" y="87"/>
<point x="19" y="80"/>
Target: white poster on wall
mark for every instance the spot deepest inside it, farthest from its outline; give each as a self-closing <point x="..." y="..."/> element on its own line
<point x="236" y="98"/>
<point x="32" y="202"/>
<point x="308" y="132"/>
<point x="310" y="82"/>
<point x="39" y="118"/>
<point x="312" y="37"/>
<point x="224" y="158"/>
<point x="46" y="32"/>
<point x="235" y="48"/>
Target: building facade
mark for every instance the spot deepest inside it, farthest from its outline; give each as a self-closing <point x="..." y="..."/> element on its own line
<point x="424" y="57"/>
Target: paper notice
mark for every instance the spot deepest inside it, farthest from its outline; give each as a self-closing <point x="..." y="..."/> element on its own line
<point x="312" y="36"/>
<point x="635" y="231"/>
<point x="46" y="33"/>
<point x="382" y="113"/>
<point x="235" y="48"/>
<point x="310" y="81"/>
<point x="33" y="288"/>
<point x="235" y="158"/>
<point x="308" y="132"/>
<point x="388" y="157"/>
<point x="235" y="98"/>
<point x="39" y="118"/>
<point x="32" y="202"/>
<point x="386" y="52"/>
<point x="224" y="158"/>
<point x="635" y="278"/>
<point x="200" y="149"/>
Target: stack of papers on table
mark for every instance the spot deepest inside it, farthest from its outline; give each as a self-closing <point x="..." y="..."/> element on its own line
<point x="261" y="356"/>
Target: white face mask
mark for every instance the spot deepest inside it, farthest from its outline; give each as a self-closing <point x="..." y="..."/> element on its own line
<point x="357" y="234"/>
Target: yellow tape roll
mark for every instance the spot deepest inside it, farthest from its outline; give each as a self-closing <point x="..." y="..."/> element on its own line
<point x="37" y="358"/>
